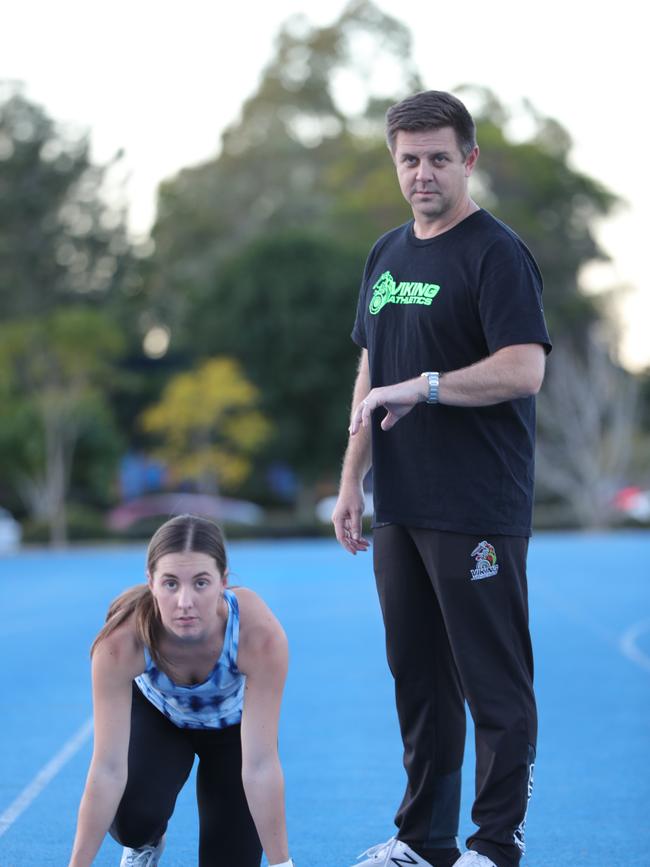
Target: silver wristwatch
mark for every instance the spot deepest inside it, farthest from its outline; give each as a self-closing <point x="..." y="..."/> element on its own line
<point x="433" y="378"/>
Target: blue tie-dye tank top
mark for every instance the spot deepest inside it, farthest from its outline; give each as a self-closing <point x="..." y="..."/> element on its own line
<point x="213" y="704"/>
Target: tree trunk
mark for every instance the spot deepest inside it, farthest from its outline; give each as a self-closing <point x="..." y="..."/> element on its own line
<point x="61" y="433"/>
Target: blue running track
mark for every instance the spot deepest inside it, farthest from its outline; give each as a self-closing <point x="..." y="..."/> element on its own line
<point x="590" y="610"/>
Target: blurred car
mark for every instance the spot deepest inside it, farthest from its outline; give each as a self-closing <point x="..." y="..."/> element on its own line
<point x="634" y="502"/>
<point x="10" y="532"/>
<point x="163" y="506"/>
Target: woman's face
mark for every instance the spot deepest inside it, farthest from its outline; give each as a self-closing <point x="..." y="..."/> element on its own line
<point x="187" y="587"/>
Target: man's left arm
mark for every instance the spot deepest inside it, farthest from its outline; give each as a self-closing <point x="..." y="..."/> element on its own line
<point x="509" y="373"/>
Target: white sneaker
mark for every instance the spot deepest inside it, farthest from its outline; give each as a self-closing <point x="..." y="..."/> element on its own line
<point x="392" y="852"/>
<point x="474" y="859"/>
<point x="143" y="856"/>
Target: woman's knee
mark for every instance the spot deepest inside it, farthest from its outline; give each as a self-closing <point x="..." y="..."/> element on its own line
<point x="137" y="826"/>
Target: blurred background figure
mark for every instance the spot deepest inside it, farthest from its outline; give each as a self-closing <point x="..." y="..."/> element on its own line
<point x="10" y="532"/>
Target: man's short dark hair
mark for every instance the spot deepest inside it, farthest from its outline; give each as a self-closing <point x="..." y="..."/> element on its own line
<point x="431" y="109"/>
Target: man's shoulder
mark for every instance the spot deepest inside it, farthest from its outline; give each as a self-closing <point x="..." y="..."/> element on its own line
<point x="393" y="243"/>
<point x="496" y="242"/>
<point x="398" y="234"/>
<point x="491" y="228"/>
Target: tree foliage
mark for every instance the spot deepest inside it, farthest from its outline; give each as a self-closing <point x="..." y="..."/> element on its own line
<point x="68" y="289"/>
<point x="530" y="185"/>
<point x="284" y="306"/>
<point x="60" y="241"/>
<point x="208" y="424"/>
<point x="55" y="373"/>
<point x="279" y="163"/>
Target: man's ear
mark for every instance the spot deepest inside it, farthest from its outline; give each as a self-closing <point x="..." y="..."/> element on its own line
<point x="470" y="162"/>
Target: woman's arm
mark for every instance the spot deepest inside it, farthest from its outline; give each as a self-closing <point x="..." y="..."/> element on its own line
<point x="263" y="658"/>
<point x="115" y="664"/>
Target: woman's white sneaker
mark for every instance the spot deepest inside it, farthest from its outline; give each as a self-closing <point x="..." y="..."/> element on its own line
<point x="143" y="856"/>
<point x="392" y="852"/>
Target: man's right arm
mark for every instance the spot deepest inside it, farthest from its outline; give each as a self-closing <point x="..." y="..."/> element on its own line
<point x="348" y="511"/>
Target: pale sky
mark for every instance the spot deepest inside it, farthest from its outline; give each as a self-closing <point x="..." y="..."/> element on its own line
<point x="162" y="79"/>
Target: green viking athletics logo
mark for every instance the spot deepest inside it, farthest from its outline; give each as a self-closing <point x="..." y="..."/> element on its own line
<point x="387" y="291"/>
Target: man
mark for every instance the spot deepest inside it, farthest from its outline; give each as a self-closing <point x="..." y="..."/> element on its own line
<point x="453" y="344"/>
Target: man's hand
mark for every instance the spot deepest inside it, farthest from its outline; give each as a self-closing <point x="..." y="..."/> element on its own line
<point x="347" y="516"/>
<point x="398" y="400"/>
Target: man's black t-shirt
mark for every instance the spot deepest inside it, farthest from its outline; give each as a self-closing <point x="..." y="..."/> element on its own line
<point x="441" y="304"/>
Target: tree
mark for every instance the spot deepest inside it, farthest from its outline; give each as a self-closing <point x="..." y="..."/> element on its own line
<point x="284" y="307"/>
<point x="54" y="374"/>
<point x="64" y="245"/>
<point x="279" y="163"/>
<point x="530" y="185"/>
<point x="300" y="156"/>
<point x="587" y="429"/>
<point x="61" y="242"/>
<point x="209" y="425"/>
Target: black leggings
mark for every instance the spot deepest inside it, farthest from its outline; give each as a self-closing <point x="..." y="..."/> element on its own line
<point x="161" y="756"/>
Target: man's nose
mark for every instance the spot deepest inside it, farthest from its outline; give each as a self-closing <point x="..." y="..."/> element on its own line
<point x="425" y="171"/>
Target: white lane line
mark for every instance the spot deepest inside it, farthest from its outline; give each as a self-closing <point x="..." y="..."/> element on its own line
<point x="628" y="644"/>
<point x="44" y="776"/>
<point x="625" y="644"/>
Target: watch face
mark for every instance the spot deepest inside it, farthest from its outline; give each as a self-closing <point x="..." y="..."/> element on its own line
<point x="432" y="378"/>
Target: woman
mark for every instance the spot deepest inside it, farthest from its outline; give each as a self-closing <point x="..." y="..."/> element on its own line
<point x="184" y="667"/>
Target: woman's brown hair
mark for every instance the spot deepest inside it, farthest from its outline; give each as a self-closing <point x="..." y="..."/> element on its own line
<point x="183" y="533"/>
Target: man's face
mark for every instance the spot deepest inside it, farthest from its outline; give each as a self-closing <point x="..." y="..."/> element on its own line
<point x="432" y="173"/>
